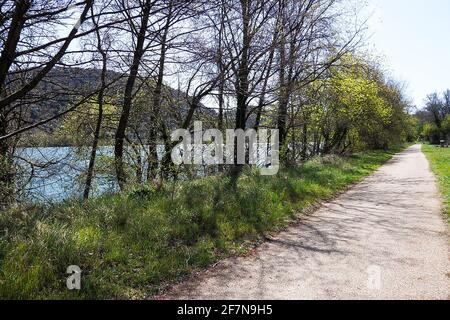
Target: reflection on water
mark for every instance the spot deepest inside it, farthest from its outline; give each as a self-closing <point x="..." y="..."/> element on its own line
<point x="54" y="174"/>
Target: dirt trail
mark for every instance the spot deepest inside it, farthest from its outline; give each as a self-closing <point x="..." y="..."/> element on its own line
<point x="383" y="239"/>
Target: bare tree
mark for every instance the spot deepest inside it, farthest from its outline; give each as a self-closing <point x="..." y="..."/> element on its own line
<point x="29" y="53"/>
<point x="139" y="35"/>
<point x="102" y="41"/>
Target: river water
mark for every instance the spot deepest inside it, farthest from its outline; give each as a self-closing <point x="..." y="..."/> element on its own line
<point x="54" y="174"/>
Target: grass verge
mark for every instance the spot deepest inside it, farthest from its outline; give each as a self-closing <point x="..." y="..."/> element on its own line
<point x="129" y="245"/>
<point x="439" y="159"/>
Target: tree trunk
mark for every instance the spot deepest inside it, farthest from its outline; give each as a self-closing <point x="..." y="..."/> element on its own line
<point x="6" y="166"/>
<point x="156" y="103"/>
<point x="305" y="142"/>
<point x="10" y="45"/>
<point x="242" y="84"/>
<point x="98" y="127"/>
<point x="128" y="97"/>
<point x="6" y="60"/>
<point x="262" y="98"/>
<point x="11" y="48"/>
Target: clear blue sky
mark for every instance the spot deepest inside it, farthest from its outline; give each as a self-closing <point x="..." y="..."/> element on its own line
<point x="413" y="36"/>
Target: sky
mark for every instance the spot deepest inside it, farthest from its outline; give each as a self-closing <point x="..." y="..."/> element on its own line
<point x="413" y="38"/>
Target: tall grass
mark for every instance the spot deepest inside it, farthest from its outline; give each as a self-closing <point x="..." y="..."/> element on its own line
<point x="440" y="164"/>
<point x="130" y="245"/>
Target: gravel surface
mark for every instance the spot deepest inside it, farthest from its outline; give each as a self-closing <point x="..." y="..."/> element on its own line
<point x="384" y="239"/>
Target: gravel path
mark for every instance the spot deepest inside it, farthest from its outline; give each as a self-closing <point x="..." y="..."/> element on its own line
<point x="384" y="239"/>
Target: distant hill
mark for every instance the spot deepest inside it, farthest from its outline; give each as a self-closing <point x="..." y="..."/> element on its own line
<point x="64" y="86"/>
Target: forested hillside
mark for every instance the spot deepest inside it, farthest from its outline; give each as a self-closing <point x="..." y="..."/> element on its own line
<point x="63" y="86"/>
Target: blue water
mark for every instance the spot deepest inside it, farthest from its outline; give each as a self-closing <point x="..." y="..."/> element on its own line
<point x="53" y="174"/>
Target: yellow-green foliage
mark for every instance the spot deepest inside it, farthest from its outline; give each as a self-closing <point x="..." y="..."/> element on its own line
<point x="359" y="104"/>
<point x="356" y="107"/>
<point x="79" y="125"/>
<point x="446" y="125"/>
<point x="431" y="130"/>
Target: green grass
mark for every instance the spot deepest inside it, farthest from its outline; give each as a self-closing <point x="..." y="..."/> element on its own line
<point x="439" y="159"/>
<point x="130" y="245"/>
